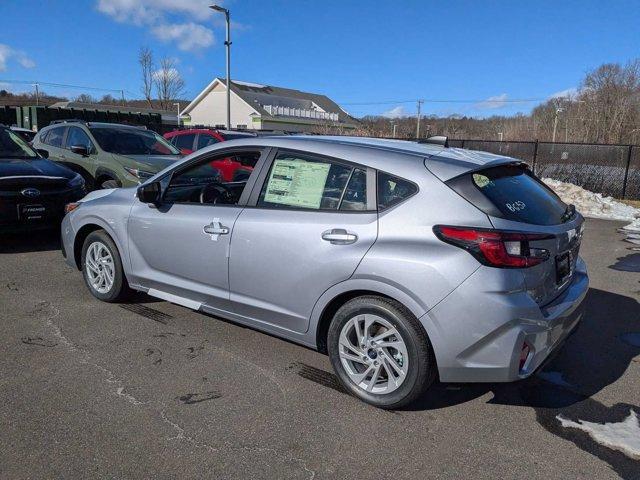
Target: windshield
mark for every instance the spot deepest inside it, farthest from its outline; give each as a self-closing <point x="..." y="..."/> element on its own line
<point x="12" y="146"/>
<point x="132" y="141"/>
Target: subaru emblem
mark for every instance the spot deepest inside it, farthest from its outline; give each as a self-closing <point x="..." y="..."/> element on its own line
<point x="30" y="192"/>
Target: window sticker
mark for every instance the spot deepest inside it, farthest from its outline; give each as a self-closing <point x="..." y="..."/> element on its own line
<point x="481" y="180"/>
<point x="297" y="183"/>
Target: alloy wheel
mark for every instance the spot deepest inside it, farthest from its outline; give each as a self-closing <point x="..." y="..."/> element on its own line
<point x="373" y="354"/>
<point x="100" y="267"/>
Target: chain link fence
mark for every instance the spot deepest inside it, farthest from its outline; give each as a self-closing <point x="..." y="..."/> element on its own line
<point x="612" y="170"/>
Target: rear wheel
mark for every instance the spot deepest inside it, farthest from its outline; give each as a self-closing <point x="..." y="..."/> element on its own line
<point x="380" y="352"/>
<point x="102" y="268"/>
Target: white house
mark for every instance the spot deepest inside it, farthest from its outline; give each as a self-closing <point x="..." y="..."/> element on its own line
<point x="255" y="106"/>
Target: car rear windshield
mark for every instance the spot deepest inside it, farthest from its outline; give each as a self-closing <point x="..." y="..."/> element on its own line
<point x="132" y="141"/>
<point x="514" y="193"/>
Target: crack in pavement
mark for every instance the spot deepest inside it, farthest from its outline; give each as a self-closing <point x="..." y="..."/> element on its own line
<point x="181" y="434"/>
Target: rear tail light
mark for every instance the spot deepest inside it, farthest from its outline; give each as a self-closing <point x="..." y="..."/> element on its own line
<point x="495" y="248"/>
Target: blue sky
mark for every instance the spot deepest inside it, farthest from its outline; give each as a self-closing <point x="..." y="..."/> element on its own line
<point x="482" y="54"/>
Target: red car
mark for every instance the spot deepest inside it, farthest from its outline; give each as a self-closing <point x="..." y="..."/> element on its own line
<point x="188" y="141"/>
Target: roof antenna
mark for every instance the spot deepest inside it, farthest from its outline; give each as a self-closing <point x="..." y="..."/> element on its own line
<point x="436" y="140"/>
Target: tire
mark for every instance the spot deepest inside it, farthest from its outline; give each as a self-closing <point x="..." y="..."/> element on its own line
<point x="118" y="289"/>
<point x="110" y="184"/>
<point x="384" y="314"/>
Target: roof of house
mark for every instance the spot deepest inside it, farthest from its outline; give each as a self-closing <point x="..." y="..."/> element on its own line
<point x="119" y="108"/>
<point x="258" y="96"/>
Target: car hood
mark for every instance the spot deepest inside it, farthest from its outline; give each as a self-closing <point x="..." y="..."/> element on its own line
<point x="38" y="167"/>
<point x="153" y="163"/>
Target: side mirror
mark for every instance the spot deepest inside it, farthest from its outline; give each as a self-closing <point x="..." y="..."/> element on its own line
<point x="43" y="153"/>
<point x="150" y="193"/>
<point x="80" y="150"/>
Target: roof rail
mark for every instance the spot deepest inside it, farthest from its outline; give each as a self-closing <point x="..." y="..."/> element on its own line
<point x="436" y="140"/>
<point x="69" y="120"/>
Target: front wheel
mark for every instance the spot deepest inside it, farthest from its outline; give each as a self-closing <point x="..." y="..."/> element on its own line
<point x="102" y="268"/>
<point x="380" y="352"/>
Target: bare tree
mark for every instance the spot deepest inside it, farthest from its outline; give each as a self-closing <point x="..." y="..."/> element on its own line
<point x="145" y="59"/>
<point x="169" y="83"/>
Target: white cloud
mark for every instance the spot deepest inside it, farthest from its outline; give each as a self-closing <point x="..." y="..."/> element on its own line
<point x="166" y="19"/>
<point x="497" y="101"/>
<point x="8" y="53"/>
<point x="188" y="36"/>
<point x="396" y="112"/>
<point x="567" y="93"/>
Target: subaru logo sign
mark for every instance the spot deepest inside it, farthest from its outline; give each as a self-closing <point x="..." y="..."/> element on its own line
<point x="30" y="192"/>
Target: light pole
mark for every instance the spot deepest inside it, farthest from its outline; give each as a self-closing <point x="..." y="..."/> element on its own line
<point x="227" y="43"/>
<point x="178" y="105"/>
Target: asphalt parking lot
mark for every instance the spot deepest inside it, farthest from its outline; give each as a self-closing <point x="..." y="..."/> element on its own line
<point x="153" y="390"/>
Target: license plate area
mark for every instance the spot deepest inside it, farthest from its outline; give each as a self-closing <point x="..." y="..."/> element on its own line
<point x="563" y="267"/>
<point x="31" y="213"/>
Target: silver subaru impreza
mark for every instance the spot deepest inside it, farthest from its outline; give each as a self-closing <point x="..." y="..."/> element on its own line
<point x="405" y="262"/>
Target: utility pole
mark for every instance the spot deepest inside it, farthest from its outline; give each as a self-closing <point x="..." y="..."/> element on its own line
<point x="420" y="102"/>
<point x="395" y="126"/>
<point x="123" y="100"/>
<point x="178" y="105"/>
<point x="555" y="121"/>
<point x="37" y="94"/>
<point x="227" y="43"/>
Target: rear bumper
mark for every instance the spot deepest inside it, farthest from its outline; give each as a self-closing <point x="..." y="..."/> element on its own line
<point x="479" y="330"/>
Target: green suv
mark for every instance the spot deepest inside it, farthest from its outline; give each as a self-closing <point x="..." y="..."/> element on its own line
<point x="107" y="155"/>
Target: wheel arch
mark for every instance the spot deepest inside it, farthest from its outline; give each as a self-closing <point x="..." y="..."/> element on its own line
<point x="83" y="232"/>
<point x="338" y="295"/>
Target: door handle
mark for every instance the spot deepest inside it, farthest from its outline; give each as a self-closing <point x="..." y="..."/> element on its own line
<point x="339" y="236"/>
<point x="214" y="229"/>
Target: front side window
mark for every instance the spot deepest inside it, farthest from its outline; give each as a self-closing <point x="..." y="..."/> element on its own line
<point x="131" y="141"/>
<point x="77" y="137"/>
<point x="206" y="183"/>
<point x="303" y="181"/>
<point x="54" y="137"/>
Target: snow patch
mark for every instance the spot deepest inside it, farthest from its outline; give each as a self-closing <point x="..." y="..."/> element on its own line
<point x="623" y="436"/>
<point x="595" y="205"/>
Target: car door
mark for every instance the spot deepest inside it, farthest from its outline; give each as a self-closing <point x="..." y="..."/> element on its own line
<point x="85" y="165"/>
<point x="179" y="248"/>
<point x="307" y="227"/>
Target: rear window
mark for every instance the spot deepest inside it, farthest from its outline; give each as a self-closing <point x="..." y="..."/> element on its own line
<point x="514" y="193"/>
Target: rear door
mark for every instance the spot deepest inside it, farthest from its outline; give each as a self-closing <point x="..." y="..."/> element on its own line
<point x="516" y="200"/>
<point x="308" y="224"/>
<point x="53" y="142"/>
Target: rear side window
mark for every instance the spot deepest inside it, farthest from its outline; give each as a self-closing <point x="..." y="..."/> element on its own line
<point x="184" y="141"/>
<point x="303" y="181"/>
<point x="393" y="190"/>
<point x="514" y="193"/>
<point x="54" y="137"/>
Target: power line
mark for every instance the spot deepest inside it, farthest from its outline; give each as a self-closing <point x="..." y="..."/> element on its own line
<point x="62" y="85"/>
<point x="427" y="100"/>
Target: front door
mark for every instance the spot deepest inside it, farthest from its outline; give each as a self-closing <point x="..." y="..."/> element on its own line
<point x="179" y="249"/>
<point x="307" y="230"/>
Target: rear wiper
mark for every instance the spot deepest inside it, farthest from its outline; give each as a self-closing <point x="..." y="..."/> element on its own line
<point x="569" y="212"/>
